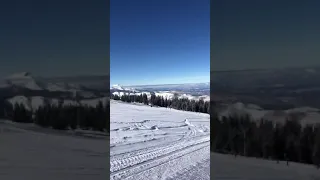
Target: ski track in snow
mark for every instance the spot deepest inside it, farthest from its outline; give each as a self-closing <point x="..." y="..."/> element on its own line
<point x="156" y="143"/>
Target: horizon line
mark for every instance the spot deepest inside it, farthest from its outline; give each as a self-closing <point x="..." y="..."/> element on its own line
<point x="159" y="84"/>
<point x="58" y="76"/>
<point x="270" y="68"/>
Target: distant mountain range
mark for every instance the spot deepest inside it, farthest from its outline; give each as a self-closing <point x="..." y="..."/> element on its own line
<point x="83" y="85"/>
<point x="33" y="91"/>
<point x="269" y="88"/>
<point x="193" y="91"/>
<point x="272" y="94"/>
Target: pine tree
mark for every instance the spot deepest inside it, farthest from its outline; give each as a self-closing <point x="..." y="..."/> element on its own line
<point x="316" y="148"/>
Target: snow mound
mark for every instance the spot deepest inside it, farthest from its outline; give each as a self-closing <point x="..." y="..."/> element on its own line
<point x="155" y="127"/>
<point x="186" y="121"/>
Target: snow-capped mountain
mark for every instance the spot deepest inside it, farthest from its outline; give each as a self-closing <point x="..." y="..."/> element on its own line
<point x="23" y="79"/>
<point x="117" y="87"/>
<point x="122" y="88"/>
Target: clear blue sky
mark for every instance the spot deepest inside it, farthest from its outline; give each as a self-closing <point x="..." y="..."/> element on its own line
<point x="159" y="41"/>
<point x="264" y="33"/>
<point x="54" y="37"/>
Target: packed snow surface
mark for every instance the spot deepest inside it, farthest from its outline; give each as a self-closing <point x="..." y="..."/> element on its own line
<point x="157" y="143"/>
<point x="242" y="168"/>
<point x="29" y="152"/>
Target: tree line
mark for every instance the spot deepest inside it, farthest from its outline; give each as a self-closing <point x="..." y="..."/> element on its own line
<point x="63" y="117"/>
<point x="184" y="104"/>
<point x="290" y="141"/>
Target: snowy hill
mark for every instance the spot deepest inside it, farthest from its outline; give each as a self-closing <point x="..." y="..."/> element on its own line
<point x="23" y="79"/>
<point x="117" y="87"/>
<point x="35" y="153"/>
<point x="156" y="143"/>
<point x="228" y="167"/>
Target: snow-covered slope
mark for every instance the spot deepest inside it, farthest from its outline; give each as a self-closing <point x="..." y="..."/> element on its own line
<point x="34" y="153"/>
<point x="156" y="143"/>
<point x="242" y="168"/>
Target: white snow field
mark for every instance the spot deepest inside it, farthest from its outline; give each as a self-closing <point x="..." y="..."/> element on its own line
<point x="29" y="152"/>
<point x="242" y="168"/>
<point x="158" y="143"/>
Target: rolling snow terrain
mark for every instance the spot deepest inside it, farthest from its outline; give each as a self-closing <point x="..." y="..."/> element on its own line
<point x="190" y="91"/>
<point x="158" y="143"/>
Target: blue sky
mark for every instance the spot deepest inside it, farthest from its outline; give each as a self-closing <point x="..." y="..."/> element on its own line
<point x="250" y="34"/>
<point x="54" y="38"/>
<point x="159" y="41"/>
